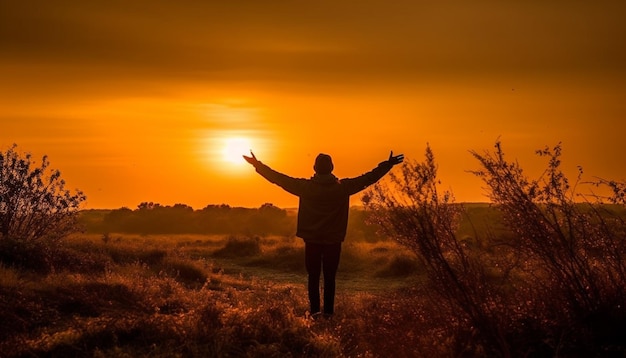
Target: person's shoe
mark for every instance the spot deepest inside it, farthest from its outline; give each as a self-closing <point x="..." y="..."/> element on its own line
<point x="317" y="315"/>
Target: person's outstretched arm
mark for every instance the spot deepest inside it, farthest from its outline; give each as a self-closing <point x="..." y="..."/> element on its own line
<point x="252" y="159"/>
<point x="395" y="159"/>
<point x="291" y="185"/>
<point x="361" y="182"/>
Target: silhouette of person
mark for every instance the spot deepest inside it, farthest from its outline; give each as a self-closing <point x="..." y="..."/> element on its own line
<point x="323" y="218"/>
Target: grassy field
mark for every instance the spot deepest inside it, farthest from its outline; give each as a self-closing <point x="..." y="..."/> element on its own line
<point x="197" y="295"/>
<point x="191" y="295"/>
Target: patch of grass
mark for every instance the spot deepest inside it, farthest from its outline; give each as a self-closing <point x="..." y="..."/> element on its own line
<point x="187" y="272"/>
<point x="33" y="255"/>
<point x="399" y="266"/>
<point x="126" y="254"/>
<point x="9" y="277"/>
<point x="282" y="257"/>
<point x="240" y="247"/>
<point x="45" y="257"/>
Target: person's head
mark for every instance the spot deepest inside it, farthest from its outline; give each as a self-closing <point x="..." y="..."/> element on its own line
<point x="323" y="164"/>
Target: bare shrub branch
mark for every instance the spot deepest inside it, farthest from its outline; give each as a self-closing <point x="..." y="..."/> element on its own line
<point x="578" y="248"/>
<point x="411" y="210"/>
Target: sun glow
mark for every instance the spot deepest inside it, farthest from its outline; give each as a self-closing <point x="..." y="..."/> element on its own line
<point x="234" y="148"/>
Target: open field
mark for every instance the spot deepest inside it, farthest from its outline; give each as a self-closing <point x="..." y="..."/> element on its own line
<point x="196" y="295"/>
<point x="365" y="266"/>
<point x="207" y="295"/>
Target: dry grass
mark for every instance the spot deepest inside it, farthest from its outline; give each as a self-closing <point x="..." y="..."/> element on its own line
<point x="534" y="275"/>
<point x="182" y="296"/>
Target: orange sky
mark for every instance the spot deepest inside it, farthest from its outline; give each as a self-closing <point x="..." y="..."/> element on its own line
<point x="135" y="102"/>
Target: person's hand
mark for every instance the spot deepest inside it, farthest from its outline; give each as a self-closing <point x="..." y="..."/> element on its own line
<point x="252" y="160"/>
<point x="395" y="159"/>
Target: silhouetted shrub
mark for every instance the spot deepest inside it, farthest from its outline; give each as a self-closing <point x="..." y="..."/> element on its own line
<point x="411" y="210"/>
<point x="550" y="283"/>
<point x="36" y="211"/>
<point x="576" y="248"/>
<point x="34" y="203"/>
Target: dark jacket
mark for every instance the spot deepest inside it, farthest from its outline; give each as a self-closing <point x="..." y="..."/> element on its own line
<point x="324" y="200"/>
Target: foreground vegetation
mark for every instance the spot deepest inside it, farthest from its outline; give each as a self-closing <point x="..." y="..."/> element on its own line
<point x="180" y="295"/>
<point x="553" y="285"/>
<point x="539" y="272"/>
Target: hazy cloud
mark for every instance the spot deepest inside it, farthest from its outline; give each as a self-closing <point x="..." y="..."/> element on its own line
<point x="315" y="41"/>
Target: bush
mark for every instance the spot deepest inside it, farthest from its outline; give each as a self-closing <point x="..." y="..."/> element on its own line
<point x="34" y="203"/>
<point x="412" y="211"/>
<point x="578" y="248"/>
<point x="551" y="285"/>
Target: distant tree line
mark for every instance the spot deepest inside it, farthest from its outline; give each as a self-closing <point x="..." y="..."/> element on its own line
<point x="154" y="218"/>
<point x="222" y="219"/>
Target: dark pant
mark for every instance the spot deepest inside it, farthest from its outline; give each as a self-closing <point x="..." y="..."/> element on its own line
<point x="318" y="257"/>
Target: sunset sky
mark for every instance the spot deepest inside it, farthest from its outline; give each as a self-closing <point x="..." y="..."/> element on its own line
<point x="141" y="100"/>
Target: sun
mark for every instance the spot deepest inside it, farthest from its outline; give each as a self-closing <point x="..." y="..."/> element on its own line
<point x="234" y="148"/>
